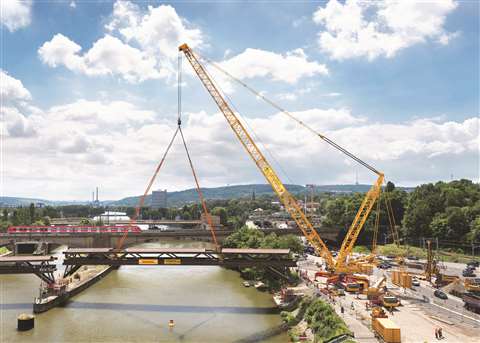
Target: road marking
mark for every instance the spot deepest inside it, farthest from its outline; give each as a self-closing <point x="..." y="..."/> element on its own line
<point x="460" y="314"/>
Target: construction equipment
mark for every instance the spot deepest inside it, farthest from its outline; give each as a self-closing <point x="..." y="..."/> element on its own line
<point x="290" y="203"/>
<point x="472" y="285"/>
<point x="288" y="200"/>
<point x="377" y="289"/>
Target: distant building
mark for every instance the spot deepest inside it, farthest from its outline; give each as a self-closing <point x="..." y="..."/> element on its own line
<point x="215" y="222"/>
<point x="108" y="216"/>
<point x="159" y="199"/>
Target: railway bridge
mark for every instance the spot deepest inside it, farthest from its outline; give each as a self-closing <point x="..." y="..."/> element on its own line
<point x="110" y="239"/>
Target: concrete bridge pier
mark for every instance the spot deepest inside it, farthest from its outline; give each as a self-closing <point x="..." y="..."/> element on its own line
<point x="31" y="248"/>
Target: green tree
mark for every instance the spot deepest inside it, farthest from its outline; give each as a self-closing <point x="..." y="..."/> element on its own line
<point x="474" y="234"/>
<point x="222" y="213"/>
<point x="32" y="212"/>
<point x="86" y="222"/>
<point x="390" y="186"/>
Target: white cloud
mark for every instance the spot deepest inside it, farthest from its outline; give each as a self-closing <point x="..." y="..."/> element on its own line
<point x="138" y="45"/>
<point x="289" y="67"/>
<point x="332" y="94"/>
<point x="14" y="123"/>
<point x="160" y="30"/>
<point x="64" y="151"/>
<point x="287" y="96"/>
<point x="15" y="14"/>
<point x="108" y="56"/>
<point x="11" y="89"/>
<point x="73" y="4"/>
<point x="380" y="28"/>
<point x="143" y="44"/>
<point x="108" y="142"/>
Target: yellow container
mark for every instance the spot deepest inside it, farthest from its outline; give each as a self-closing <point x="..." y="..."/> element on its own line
<point x="387" y="330"/>
<point x="406" y="281"/>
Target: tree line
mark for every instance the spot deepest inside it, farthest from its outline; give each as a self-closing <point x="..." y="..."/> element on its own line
<point x="449" y="211"/>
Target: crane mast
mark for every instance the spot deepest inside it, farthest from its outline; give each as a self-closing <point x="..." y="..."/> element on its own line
<point x="270" y="175"/>
<point x="360" y="218"/>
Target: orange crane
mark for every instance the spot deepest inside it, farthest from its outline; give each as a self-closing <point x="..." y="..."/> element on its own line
<point x="290" y="203"/>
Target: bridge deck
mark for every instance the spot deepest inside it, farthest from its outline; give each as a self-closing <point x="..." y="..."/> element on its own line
<point x="226" y="251"/>
<point x="38" y="265"/>
<point x="29" y="258"/>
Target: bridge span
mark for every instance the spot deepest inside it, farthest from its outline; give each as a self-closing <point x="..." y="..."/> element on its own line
<point x="273" y="260"/>
<point x="97" y="240"/>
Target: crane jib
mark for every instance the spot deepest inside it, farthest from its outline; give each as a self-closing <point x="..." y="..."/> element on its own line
<point x="285" y="197"/>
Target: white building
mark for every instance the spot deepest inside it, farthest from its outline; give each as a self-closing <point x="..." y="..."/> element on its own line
<point x="112" y="216"/>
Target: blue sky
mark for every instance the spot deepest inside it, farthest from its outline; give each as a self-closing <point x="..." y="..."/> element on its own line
<point x="395" y="82"/>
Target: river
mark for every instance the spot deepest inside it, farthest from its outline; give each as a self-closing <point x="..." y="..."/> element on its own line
<point x="135" y="303"/>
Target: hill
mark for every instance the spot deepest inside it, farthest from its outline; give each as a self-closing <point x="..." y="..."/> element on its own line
<point x="179" y="198"/>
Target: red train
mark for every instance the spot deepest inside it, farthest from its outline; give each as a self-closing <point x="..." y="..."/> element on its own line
<point x="73" y="229"/>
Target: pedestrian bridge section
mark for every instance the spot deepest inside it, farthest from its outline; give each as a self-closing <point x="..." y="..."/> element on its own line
<point x="42" y="266"/>
<point x="240" y="258"/>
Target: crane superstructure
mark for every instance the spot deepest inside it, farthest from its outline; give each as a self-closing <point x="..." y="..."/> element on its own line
<point x="288" y="200"/>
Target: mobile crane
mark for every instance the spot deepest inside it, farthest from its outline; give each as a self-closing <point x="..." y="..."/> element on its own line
<point x="288" y="200"/>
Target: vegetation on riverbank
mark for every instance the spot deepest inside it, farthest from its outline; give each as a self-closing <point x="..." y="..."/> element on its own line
<point x="246" y="237"/>
<point x="318" y="316"/>
<point x="446" y="255"/>
<point x="449" y="211"/>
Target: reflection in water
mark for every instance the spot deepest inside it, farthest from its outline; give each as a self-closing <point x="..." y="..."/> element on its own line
<point x="135" y="303"/>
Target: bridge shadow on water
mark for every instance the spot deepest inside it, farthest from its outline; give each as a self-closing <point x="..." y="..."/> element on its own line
<point x="172" y="308"/>
<point x="153" y="308"/>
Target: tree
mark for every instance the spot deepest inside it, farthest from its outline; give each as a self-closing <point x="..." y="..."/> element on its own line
<point x="32" y="212"/>
<point x="5" y="215"/>
<point x="474" y="234"/>
<point x="390" y="186"/>
<point x="86" y="222"/>
<point x="222" y="213"/>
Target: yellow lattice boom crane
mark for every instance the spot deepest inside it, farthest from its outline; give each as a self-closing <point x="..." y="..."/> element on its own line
<point x="288" y="200"/>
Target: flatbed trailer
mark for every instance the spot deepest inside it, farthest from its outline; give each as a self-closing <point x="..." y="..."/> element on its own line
<point x="472" y="302"/>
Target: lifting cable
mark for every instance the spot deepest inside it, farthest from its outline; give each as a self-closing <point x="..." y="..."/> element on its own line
<point x="258" y="94"/>
<point x="141" y="202"/>
<point x="208" y="217"/>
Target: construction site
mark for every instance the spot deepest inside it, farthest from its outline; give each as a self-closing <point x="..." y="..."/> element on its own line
<point x="386" y="298"/>
<point x="389" y="299"/>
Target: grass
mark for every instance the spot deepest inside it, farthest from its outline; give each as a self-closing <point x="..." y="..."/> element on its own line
<point x="445" y="255"/>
